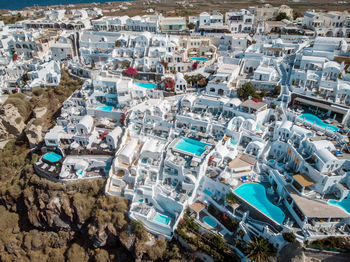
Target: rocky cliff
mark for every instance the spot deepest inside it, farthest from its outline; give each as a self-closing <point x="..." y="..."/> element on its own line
<point x="11" y="122"/>
<point x="45" y="221"/>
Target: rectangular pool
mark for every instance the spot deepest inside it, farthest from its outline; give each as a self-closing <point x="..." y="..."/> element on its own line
<point x="105" y="108"/>
<point x="162" y="219"/>
<point x="145" y="85"/>
<point x="199" y="59"/>
<point x="52" y="157"/>
<point x="191" y="146"/>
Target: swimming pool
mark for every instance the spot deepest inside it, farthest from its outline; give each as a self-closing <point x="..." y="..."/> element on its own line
<point x="162" y="219"/>
<point x="344" y="204"/>
<point x="315" y="120"/>
<point x="199" y="59"/>
<point x="145" y="85"/>
<point x="211" y="222"/>
<point x="255" y="195"/>
<point x="233" y="142"/>
<point x="52" y="157"/>
<point x="105" y="108"/>
<point x="191" y="146"/>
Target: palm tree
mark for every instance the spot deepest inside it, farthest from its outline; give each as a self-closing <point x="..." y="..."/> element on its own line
<point x="260" y="250"/>
<point x="231" y="199"/>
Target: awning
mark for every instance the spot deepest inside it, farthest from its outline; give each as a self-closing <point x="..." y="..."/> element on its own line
<point x="321" y="105"/>
<point x="304" y="180"/>
<point x="197" y="206"/>
<point x="208" y="53"/>
<point x="193" y="53"/>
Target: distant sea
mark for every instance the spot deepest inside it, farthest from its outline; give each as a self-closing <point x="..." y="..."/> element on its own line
<point x="20" y="4"/>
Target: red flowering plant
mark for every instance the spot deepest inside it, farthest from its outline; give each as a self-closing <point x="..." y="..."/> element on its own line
<point x="169" y="84"/>
<point x="130" y="71"/>
<point x="194" y="66"/>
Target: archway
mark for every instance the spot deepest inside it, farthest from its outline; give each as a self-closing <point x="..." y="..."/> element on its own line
<point x="329" y="34"/>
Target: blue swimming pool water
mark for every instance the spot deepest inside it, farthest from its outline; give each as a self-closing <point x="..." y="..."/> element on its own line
<point x="199" y="59"/>
<point x="233" y="142"/>
<point x="208" y="220"/>
<point x="163" y="219"/>
<point x="191" y="146"/>
<point x="146" y="85"/>
<point x="255" y="195"/>
<point x="315" y="120"/>
<point x="105" y="108"/>
<point x="52" y="157"/>
<point x="207" y="192"/>
<point x="345" y="204"/>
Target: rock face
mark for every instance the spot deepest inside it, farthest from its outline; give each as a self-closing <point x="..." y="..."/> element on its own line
<point x="39" y="112"/>
<point x="33" y="133"/>
<point x="292" y="253"/>
<point x="11" y="122"/>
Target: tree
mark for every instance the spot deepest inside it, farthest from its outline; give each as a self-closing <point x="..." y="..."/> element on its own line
<point x="277" y="90"/>
<point x="260" y="250"/>
<point x="297" y="14"/>
<point x="199" y="79"/>
<point x="246" y="90"/>
<point x="191" y="26"/>
<point x="282" y="16"/>
<point x="125" y="64"/>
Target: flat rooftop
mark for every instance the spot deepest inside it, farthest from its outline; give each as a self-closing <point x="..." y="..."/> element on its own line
<point x="312" y="208"/>
<point x="242" y="161"/>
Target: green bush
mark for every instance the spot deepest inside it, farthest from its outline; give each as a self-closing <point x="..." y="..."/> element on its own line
<point x="277" y="90"/>
<point x="247" y="90"/>
<point x="34" y="158"/>
<point x="23" y="106"/>
<point x="332" y="242"/>
<point x="289" y="237"/>
<point x="38" y="92"/>
<point x="18" y="120"/>
<point x="76" y="253"/>
<point x="38" y="122"/>
<point x="139" y="229"/>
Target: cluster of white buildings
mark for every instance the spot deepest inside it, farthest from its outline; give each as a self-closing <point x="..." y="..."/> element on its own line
<point x="282" y="150"/>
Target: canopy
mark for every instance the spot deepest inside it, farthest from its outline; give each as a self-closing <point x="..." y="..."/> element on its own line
<point x="304" y="180"/>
